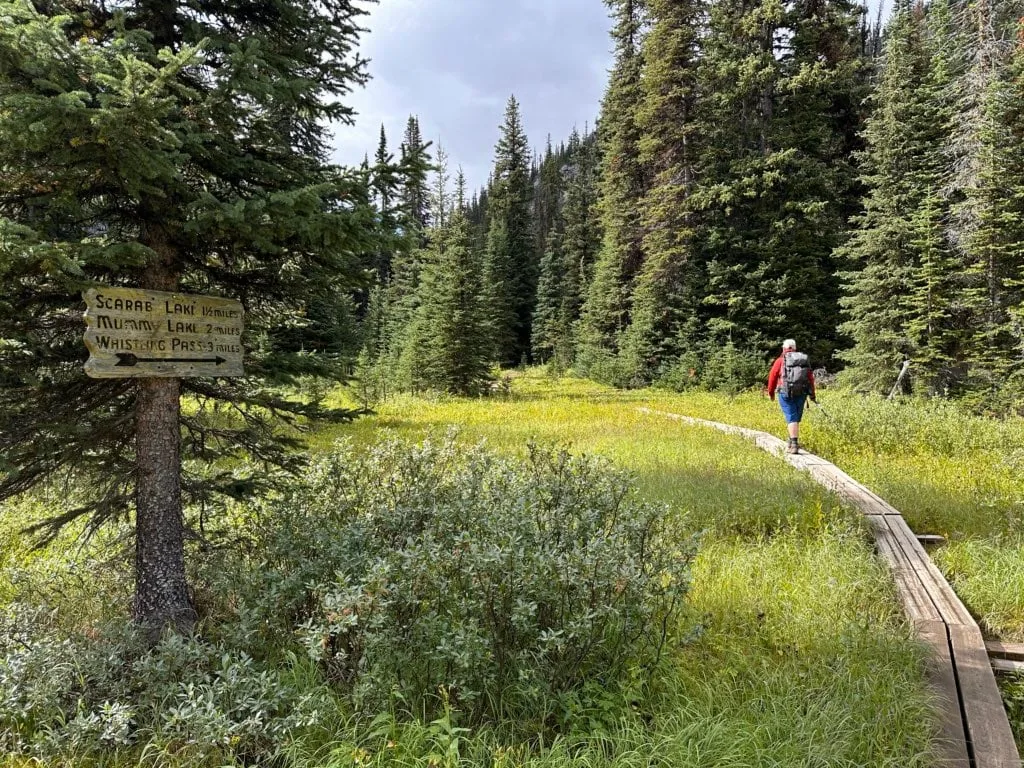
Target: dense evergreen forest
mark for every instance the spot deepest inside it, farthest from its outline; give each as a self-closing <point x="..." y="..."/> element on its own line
<point x="759" y="170"/>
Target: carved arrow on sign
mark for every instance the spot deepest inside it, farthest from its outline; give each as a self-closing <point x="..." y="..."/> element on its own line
<point x="128" y="360"/>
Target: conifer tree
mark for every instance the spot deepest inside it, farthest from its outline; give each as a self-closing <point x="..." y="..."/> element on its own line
<point x="547" y="201"/>
<point x="548" y="317"/>
<point x="784" y="85"/>
<point x="477" y="215"/>
<point x="415" y="169"/>
<point x="401" y="291"/>
<point x="179" y="147"/>
<point x="386" y="184"/>
<point x="894" y="308"/>
<point x="988" y="218"/>
<point x="580" y="240"/>
<point x="510" y="271"/>
<point x="439" y="202"/>
<point x="447" y="342"/>
<point x="934" y="325"/>
<point x="669" y="286"/>
<point x="623" y="184"/>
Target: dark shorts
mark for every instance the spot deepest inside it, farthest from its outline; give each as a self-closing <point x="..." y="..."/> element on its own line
<point x="793" y="407"/>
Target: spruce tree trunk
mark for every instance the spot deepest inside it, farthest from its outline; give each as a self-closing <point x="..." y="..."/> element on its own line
<point x="161" y="593"/>
<point x="162" y="598"/>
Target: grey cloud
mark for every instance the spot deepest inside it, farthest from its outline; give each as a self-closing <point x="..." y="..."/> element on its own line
<point x="455" y="62"/>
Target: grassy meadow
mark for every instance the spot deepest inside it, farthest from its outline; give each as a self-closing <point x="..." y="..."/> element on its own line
<point x="793" y="650"/>
<point x="948" y="473"/>
<point x="801" y="639"/>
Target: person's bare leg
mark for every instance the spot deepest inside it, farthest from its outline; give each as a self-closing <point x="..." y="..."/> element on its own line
<point x="794" y="430"/>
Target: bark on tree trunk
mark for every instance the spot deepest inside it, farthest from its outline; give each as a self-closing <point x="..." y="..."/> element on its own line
<point x="162" y="598"/>
<point x="161" y="592"/>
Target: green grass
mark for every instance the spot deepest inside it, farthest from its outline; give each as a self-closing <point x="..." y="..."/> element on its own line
<point x="950" y="474"/>
<point x="804" y="659"/>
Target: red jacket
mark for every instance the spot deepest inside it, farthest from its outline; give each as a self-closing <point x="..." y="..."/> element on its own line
<point x="776" y="374"/>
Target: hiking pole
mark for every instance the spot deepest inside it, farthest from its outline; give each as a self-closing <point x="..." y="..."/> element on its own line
<point x="820" y="408"/>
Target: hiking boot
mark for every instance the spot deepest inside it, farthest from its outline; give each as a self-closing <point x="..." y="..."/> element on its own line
<point x="793" y="447"/>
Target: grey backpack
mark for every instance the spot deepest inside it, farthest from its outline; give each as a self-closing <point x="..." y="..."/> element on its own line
<point x="796" y="378"/>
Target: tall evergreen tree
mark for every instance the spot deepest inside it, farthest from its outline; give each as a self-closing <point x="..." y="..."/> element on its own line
<point x="936" y="320"/>
<point x="547" y="199"/>
<point x="669" y="286"/>
<point x="988" y="217"/>
<point x="415" y="171"/>
<point x="548" y="321"/>
<point x="623" y="184"/>
<point x="440" y="200"/>
<point x="386" y="183"/>
<point x="895" y="309"/>
<point x="175" y="147"/>
<point x="510" y="271"/>
<point x="581" y="237"/>
<point x="400" y="293"/>
<point x="447" y="344"/>
<point x="784" y="84"/>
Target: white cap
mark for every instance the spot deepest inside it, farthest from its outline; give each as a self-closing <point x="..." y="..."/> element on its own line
<point x="789" y="344"/>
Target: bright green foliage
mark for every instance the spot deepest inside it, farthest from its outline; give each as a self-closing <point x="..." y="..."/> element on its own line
<point x="167" y="145"/>
<point x="510" y="271"/>
<point x="623" y="183"/>
<point x="668" y="288"/>
<point x="800" y="630"/>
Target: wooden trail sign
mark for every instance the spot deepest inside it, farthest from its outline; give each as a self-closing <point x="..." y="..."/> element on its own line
<point x="134" y="333"/>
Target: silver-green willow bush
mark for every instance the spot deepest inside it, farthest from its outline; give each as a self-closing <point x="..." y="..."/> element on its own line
<point x="409" y="578"/>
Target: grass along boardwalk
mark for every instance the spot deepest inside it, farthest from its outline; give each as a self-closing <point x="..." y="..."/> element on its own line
<point x="976" y="731"/>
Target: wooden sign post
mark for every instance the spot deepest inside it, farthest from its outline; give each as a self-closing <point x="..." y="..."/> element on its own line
<point x="160" y="338"/>
<point x="133" y="333"/>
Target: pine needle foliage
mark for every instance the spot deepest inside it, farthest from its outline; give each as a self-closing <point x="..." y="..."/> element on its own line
<point x="623" y="182"/>
<point x="170" y="146"/>
<point x="510" y="269"/>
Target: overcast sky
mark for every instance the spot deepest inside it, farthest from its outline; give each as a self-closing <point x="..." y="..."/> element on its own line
<point x="454" y="63"/>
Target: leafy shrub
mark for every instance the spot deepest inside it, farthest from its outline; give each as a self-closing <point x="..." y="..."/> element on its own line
<point x="431" y="578"/>
<point x="504" y="583"/>
<point x="83" y="694"/>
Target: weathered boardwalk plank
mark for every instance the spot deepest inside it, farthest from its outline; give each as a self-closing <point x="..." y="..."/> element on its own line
<point x="1012" y="651"/>
<point x="975" y="730"/>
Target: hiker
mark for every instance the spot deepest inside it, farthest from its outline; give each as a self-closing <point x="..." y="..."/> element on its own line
<point x="793" y="379"/>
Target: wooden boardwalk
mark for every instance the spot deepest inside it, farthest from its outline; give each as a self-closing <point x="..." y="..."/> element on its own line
<point x="975" y="730"/>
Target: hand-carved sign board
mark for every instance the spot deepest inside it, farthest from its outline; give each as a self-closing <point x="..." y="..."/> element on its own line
<point x="133" y="333"/>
